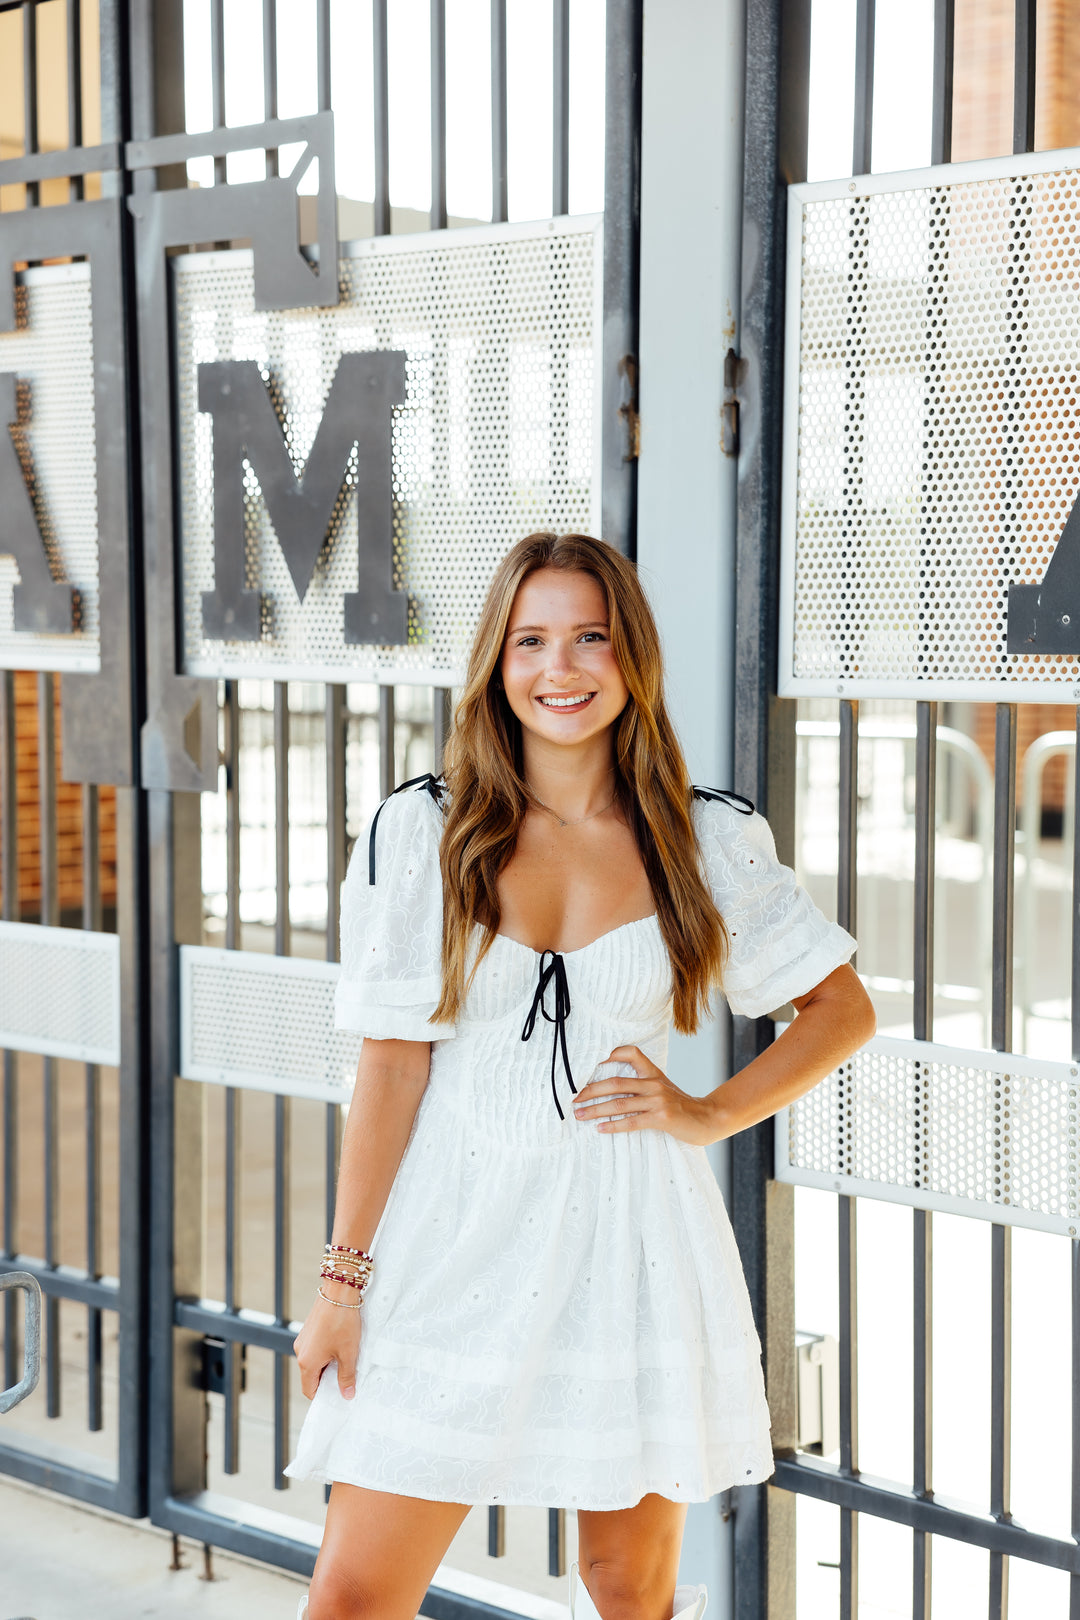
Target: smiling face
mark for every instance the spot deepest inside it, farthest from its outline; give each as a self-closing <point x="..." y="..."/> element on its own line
<point x="558" y="668"/>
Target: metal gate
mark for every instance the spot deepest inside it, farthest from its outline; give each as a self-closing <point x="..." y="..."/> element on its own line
<point x="153" y="577"/>
<point x="852" y="595"/>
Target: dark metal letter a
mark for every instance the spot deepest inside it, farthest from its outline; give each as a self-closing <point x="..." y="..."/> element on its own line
<point x="41" y="603"/>
<point x="358" y="409"/>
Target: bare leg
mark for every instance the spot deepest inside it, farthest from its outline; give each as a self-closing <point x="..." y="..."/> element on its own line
<point x="629" y="1559"/>
<point x="379" y="1553"/>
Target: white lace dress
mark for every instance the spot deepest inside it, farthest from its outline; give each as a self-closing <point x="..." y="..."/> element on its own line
<point x="557" y="1317"/>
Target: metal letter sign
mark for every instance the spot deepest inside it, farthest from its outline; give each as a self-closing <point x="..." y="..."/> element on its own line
<point x="357" y="416"/>
<point x="40" y="602"/>
<point x="1046" y="618"/>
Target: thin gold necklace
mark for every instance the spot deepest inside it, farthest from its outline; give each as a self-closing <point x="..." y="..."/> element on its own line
<point x="577" y="823"/>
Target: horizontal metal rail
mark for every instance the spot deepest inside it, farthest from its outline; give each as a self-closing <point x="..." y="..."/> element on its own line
<point x="66" y="1282"/>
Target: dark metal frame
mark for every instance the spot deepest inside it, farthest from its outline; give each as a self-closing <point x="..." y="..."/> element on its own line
<point x="777" y="77"/>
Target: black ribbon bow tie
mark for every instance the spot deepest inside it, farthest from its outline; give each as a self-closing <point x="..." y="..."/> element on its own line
<point x="553" y="970"/>
<point x="431" y="784"/>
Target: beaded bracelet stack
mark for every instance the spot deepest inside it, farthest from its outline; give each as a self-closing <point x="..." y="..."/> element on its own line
<point x="353" y="1267"/>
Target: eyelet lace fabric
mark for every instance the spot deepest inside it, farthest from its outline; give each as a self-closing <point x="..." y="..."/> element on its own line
<point x="557" y="1318"/>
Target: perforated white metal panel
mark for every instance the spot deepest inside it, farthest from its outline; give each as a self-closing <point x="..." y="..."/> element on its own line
<point x="977" y="1133"/>
<point x="932" y="426"/>
<point x="497" y="437"/>
<point x="51" y="355"/>
<point x="60" y="992"/>
<point x="265" y="1023"/>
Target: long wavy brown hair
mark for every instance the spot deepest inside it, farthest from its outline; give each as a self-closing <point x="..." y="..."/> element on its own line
<point x="488" y="798"/>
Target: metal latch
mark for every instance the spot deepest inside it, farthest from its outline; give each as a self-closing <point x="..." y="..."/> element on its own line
<point x="734" y="373"/>
<point x="215" y="1365"/>
<point x="817" y="1374"/>
<point x="31" y="1338"/>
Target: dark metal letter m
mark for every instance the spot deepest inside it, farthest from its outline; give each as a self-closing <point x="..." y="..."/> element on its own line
<point x="358" y="410"/>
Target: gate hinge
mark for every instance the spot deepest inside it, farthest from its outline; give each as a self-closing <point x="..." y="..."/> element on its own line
<point x="215" y="1365"/>
<point x="734" y="375"/>
<point x="628" y="406"/>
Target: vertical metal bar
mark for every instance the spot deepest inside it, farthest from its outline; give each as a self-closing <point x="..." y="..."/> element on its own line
<point x="942" y="93"/>
<point x="926" y="720"/>
<point x="1074" y="1579"/>
<point x="217" y="79"/>
<point x="387" y="767"/>
<point x="862" y="140"/>
<point x="496" y="1532"/>
<point x="1024" y="62"/>
<point x="499" y="186"/>
<point x="322" y="51"/>
<point x="91" y="919"/>
<point x="380" y="61"/>
<point x="282" y="929"/>
<point x="30" y="93"/>
<point x="438" y="115"/>
<point x="622" y="196"/>
<point x="560" y="108"/>
<point x="9" y="910"/>
<point x="270" y="76"/>
<point x="442" y="716"/>
<point x="74" y="89"/>
<point x="231" y="762"/>
<point x="557" y="1541"/>
<point x="46" y="717"/>
<point x="1001" y="1236"/>
<point x="846" y="915"/>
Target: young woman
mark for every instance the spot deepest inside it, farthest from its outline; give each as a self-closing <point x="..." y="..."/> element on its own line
<point x="556" y="1313"/>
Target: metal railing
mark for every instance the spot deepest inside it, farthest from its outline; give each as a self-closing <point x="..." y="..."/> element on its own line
<point x="14" y="1393"/>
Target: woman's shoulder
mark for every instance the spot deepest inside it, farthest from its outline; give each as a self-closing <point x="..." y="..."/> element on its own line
<point x="412" y="815"/>
<point x="722" y="813"/>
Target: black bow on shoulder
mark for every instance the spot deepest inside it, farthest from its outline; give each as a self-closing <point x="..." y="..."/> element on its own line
<point x="745" y="807"/>
<point x="431" y="784"/>
<point x="548" y="971"/>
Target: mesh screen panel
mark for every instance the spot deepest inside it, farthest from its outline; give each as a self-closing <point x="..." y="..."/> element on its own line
<point x="60" y="992"/>
<point x="497" y="436"/>
<point x="982" y="1133"/>
<point x="51" y="354"/>
<point x="933" y="421"/>
<point x="265" y="1023"/>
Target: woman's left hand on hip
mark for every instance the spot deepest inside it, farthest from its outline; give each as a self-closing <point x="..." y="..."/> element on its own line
<point x="646" y="1101"/>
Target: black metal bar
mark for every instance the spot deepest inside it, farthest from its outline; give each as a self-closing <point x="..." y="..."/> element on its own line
<point x="282" y="928"/>
<point x="942" y="92"/>
<point x="936" y="1516"/>
<point x="926" y="721"/>
<point x="67" y="1282"/>
<point x="50" y="908"/>
<point x="442" y="715"/>
<point x="557" y="1541"/>
<point x="336" y="807"/>
<point x="282" y="1363"/>
<point x="387" y="766"/>
<point x="438" y="115"/>
<point x="322" y="51"/>
<point x="270" y="76"/>
<point x="381" y="110"/>
<point x="862" y="140"/>
<point x="217" y="80"/>
<point x="560" y="107"/>
<point x="9" y="911"/>
<point x="255" y="1328"/>
<point x="622" y="198"/>
<point x="73" y="17"/>
<point x="849" y="1402"/>
<point x="30" y="91"/>
<point x="846" y="881"/>
<point x="496" y="1532"/>
<point x="1001" y="1010"/>
<point x="1024" y="64"/>
<point x="233" y="1102"/>
<point x="499" y="186"/>
<point x="91" y="919"/>
<point x="231" y="761"/>
<point x="1074" y="1583"/>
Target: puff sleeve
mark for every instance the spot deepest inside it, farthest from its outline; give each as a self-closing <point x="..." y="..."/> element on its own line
<point x="391" y="931"/>
<point x="781" y="945"/>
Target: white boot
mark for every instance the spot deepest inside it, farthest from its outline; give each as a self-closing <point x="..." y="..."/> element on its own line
<point x="690" y="1601"/>
<point x="301" y="1613"/>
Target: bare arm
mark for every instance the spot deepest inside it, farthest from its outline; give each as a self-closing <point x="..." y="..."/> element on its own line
<point x="834" y="1019"/>
<point x="391" y="1078"/>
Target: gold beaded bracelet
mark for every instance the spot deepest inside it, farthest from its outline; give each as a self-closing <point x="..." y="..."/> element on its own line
<point x="342" y="1304"/>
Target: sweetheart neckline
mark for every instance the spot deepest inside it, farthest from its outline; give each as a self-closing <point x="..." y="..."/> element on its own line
<point x="635" y="922"/>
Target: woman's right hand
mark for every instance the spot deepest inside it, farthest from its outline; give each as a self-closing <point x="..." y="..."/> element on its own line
<point x="329" y="1334"/>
